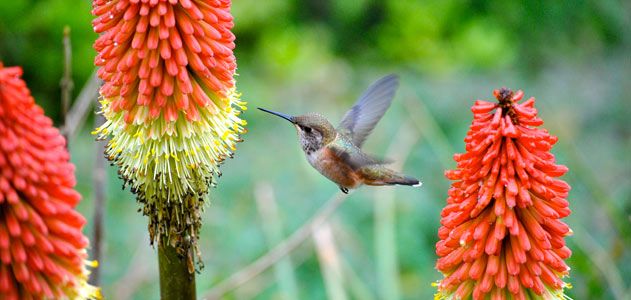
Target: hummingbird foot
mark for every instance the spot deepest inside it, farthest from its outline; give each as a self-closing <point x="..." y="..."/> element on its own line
<point x="344" y="190"/>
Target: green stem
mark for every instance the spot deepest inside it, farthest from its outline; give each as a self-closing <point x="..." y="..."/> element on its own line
<point x="175" y="280"/>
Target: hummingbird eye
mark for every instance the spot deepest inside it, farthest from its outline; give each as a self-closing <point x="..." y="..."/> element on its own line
<point x="306" y="129"/>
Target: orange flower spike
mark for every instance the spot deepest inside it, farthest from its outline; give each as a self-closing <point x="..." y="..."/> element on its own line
<point x="501" y="236"/>
<point x="42" y="247"/>
<point x="170" y="105"/>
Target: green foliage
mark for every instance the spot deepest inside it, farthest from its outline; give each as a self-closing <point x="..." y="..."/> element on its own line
<point x="30" y="36"/>
<point x="312" y="55"/>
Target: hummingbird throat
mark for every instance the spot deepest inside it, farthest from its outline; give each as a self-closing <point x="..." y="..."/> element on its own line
<point x="310" y="141"/>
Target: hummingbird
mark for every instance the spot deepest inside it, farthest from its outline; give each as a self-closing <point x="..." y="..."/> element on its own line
<point x="336" y="152"/>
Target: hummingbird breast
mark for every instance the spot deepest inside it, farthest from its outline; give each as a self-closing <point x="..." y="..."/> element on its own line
<point x="334" y="168"/>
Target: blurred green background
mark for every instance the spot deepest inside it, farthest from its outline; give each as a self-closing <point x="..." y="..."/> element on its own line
<point x="318" y="55"/>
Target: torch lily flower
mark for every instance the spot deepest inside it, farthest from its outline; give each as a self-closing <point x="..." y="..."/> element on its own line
<point x="42" y="248"/>
<point x="501" y="237"/>
<point x="170" y="104"/>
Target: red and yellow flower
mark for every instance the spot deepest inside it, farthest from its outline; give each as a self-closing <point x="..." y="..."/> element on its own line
<point x="42" y="247"/>
<point x="170" y="103"/>
<point x="501" y="235"/>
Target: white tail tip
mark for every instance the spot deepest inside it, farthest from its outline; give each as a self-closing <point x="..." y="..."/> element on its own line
<point x="419" y="184"/>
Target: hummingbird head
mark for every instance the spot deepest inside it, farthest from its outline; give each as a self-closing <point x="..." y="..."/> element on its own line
<point x="314" y="130"/>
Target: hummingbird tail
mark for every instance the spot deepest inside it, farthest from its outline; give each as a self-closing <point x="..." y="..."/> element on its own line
<point x="378" y="175"/>
<point x="406" y="180"/>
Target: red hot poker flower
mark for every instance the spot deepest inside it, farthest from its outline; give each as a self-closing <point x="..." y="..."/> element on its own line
<point x="170" y="104"/>
<point x="501" y="236"/>
<point x="42" y="248"/>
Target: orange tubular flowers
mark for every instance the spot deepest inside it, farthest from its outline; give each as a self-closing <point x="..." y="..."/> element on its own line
<point x="42" y="248"/>
<point x="501" y="237"/>
<point x="170" y="104"/>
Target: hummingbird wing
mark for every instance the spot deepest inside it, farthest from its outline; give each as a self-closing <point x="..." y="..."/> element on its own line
<point x="355" y="159"/>
<point x="359" y="121"/>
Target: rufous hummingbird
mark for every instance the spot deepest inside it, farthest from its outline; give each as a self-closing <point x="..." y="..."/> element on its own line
<point x="336" y="152"/>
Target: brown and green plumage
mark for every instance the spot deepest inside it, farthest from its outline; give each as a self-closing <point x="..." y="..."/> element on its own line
<point x="336" y="152"/>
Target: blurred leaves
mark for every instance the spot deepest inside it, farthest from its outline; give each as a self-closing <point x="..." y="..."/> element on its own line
<point x="286" y="48"/>
<point x="318" y="55"/>
<point x="30" y="36"/>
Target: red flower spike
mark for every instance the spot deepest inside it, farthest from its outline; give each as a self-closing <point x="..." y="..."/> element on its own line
<point x="42" y="247"/>
<point x="501" y="237"/>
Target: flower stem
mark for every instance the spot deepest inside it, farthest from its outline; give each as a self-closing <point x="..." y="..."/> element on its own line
<point x="66" y="81"/>
<point x="175" y="280"/>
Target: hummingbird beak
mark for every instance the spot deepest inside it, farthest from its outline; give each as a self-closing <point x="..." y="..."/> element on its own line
<point x="284" y="116"/>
